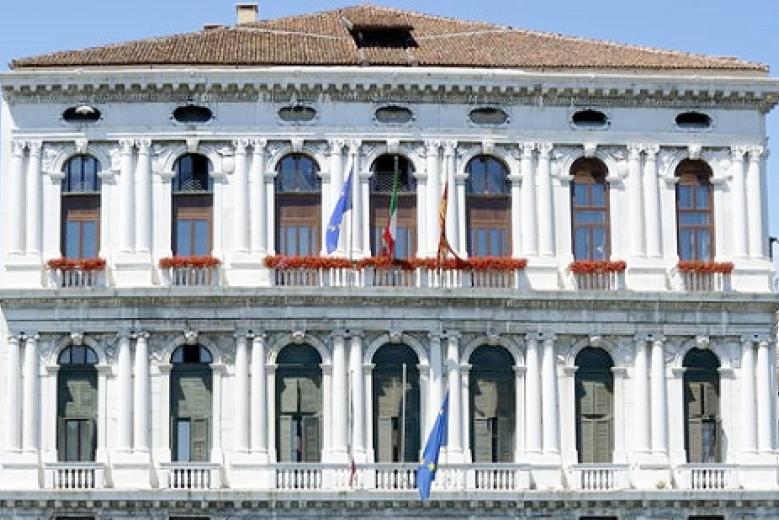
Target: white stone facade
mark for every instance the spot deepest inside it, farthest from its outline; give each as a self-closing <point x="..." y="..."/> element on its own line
<point x="137" y="315"/>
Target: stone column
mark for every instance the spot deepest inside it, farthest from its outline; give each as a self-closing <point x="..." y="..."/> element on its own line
<point x="528" y="205"/>
<point x="163" y="441"/>
<point x="641" y="389"/>
<point x="435" y="382"/>
<point x="652" y="203"/>
<point x="257" y="207"/>
<point x="755" y="203"/>
<point x="461" y="226"/>
<point x="241" y="395"/>
<point x="143" y="198"/>
<point x="103" y="373"/>
<point x="454" y="447"/>
<point x="765" y="398"/>
<point x="358" y="397"/>
<point x="49" y="420"/>
<point x="747" y="380"/>
<point x="339" y="398"/>
<point x="141" y="383"/>
<point x="270" y="378"/>
<point x="13" y="380"/>
<point x="336" y="185"/>
<point x="269" y="178"/>
<point x="125" y="391"/>
<point x="677" y="452"/>
<point x="450" y="151"/>
<point x="356" y="220"/>
<point x="240" y="189"/>
<point x="549" y="397"/>
<point x="634" y="200"/>
<point x="532" y="395"/>
<point x="217" y="375"/>
<point x="546" y="244"/>
<point x="31" y="398"/>
<point x="738" y="203"/>
<point x="433" y="202"/>
<point x="34" y="199"/>
<point x="126" y="215"/>
<point x="15" y="198"/>
<point x="519" y="413"/>
<point x="259" y="410"/>
<point x="659" y="399"/>
<point x="620" y="450"/>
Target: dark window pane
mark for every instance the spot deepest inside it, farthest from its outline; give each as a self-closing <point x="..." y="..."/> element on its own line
<point x="192" y="174"/>
<point x="298" y="173"/>
<point x="72" y="440"/>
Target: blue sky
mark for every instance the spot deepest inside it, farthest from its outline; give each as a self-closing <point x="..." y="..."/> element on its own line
<point x="748" y="29"/>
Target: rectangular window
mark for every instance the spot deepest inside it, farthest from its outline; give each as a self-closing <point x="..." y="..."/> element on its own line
<point x="78" y="440"/>
<point x="192" y="225"/>
<point x="298" y="224"/>
<point x="80" y="226"/>
<point x="694" y="220"/>
<point x="489" y="225"/>
<point x="183" y="440"/>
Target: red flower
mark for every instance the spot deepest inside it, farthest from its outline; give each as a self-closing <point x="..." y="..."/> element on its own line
<point x="477" y="263"/>
<point x="384" y="262"/>
<point x="307" y="262"/>
<point x="172" y="262"/>
<point x="73" y="264"/>
<point x="597" y="266"/>
<point x="699" y="266"/>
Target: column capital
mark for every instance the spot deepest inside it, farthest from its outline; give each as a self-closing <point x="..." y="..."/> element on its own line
<point x="737" y="152"/>
<point x="126" y="145"/>
<point x="651" y="151"/>
<point x="526" y="149"/>
<point x="452" y="334"/>
<point x="432" y="146"/>
<point x="635" y="150"/>
<point x="144" y="145"/>
<point x="141" y="335"/>
<point x="240" y="145"/>
<point x="355" y="333"/>
<point x="18" y="147"/>
<point x="534" y="336"/>
<point x="545" y="149"/>
<point x="336" y="144"/>
<point x="756" y="153"/>
<point x="435" y="335"/>
<point x="519" y="371"/>
<point x="354" y="146"/>
<point x="243" y="334"/>
<point x="35" y="147"/>
<point x="257" y="335"/>
<point x="339" y="334"/>
<point x="258" y="145"/>
<point x="450" y="148"/>
<point x="644" y="337"/>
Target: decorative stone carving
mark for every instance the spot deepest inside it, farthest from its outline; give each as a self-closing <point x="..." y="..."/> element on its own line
<point x="192" y="144"/>
<point x="190" y="337"/>
<point x="396" y="336"/>
<point x="590" y="149"/>
<point x="298" y="336"/>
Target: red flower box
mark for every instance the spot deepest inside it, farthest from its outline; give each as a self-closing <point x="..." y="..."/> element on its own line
<point x="597" y="266"/>
<point x="74" y="264"/>
<point x="699" y="266"/>
<point x="384" y="262"/>
<point x="307" y="262"/>
<point x="477" y="263"/>
<point x="172" y="262"/>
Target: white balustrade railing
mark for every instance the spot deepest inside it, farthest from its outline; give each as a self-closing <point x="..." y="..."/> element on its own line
<point x="390" y="277"/>
<point x="491" y="279"/>
<point x="74" y="475"/>
<point x="394" y="477"/>
<point x="696" y="281"/>
<point x="309" y="477"/>
<point x="76" y="278"/>
<point x="706" y="477"/>
<point x="316" y="277"/>
<point x="599" y="281"/>
<point x="192" y="276"/>
<point x="599" y="477"/>
<point x="191" y="475"/>
<point x="499" y="477"/>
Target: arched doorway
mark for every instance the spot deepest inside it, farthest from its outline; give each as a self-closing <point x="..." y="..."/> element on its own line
<point x="77" y="404"/>
<point x="594" y="387"/>
<point x="702" y="421"/>
<point x="492" y="404"/>
<point x="191" y="404"/>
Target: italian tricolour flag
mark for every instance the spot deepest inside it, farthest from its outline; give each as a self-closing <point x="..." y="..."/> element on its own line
<point x="390" y="234"/>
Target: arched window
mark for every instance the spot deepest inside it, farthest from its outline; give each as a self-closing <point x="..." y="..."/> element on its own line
<point x="299" y="420"/>
<point x="492" y="394"/>
<point x="396" y="428"/>
<point x="80" y="207"/>
<point x="298" y="206"/>
<point x="76" y="404"/>
<point x="388" y="170"/>
<point x="702" y="421"/>
<point x="193" y="204"/>
<point x="590" y="210"/>
<point x="488" y="207"/>
<point x="594" y="391"/>
<point x="695" y="211"/>
<point x="190" y="404"/>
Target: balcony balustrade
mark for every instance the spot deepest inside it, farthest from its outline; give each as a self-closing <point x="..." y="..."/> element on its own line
<point x="76" y="278"/>
<point x="191" y="276"/>
<point x="74" y="475"/>
<point x="706" y="477"/>
<point x="191" y="475"/>
<point x="395" y="277"/>
<point x="599" y="281"/>
<point x="599" y="477"/>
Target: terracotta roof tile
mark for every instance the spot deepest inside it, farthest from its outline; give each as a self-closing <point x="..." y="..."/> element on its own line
<point x="324" y="38"/>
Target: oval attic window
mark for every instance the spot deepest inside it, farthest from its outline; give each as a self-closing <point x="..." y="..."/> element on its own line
<point x="297" y="113"/>
<point x="693" y="120"/>
<point x="488" y="116"/>
<point x="394" y="115"/>
<point x="81" y="114"/>
<point x="590" y="119"/>
<point x="192" y="114"/>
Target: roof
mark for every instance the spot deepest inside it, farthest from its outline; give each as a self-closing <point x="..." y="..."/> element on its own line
<point x="324" y="38"/>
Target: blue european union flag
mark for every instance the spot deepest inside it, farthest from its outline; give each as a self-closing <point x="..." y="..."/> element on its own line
<point x="343" y="205"/>
<point x="429" y="465"/>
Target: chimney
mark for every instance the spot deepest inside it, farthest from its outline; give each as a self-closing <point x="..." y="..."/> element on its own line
<point x="246" y="13"/>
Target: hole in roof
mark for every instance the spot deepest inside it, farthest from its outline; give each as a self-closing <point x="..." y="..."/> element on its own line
<point x="192" y="114"/>
<point x="693" y="120"/>
<point x="590" y="119"/>
<point x="81" y="114"/>
<point x="383" y="36"/>
<point x="488" y="116"/>
<point x="297" y="113"/>
<point x="394" y="114"/>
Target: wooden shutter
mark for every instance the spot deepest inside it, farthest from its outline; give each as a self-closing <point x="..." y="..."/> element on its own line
<point x="310" y="401"/>
<point x="88" y="434"/>
<point x="412" y="438"/>
<point x="311" y="448"/>
<point x="505" y="436"/>
<point x="482" y="440"/>
<point x="199" y="440"/>
<point x="288" y="398"/>
<point x="384" y="439"/>
<point x="285" y="440"/>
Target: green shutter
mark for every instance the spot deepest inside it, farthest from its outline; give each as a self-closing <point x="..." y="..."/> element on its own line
<point x="384" y="439"/>
<point x="694" y="440"/>
<point x="482" y="440"/>
<point x="604" y="443"/>
<point x="61" y="440"/>
<point x="199" y="440"/>
<point x="88" y="447"/>
<point x="505" y="439"/>
<point x="310" y="401"/>
<point x="285" y="441"/>
<point x="288" y="398"/>
<point x="312" y="450"/>
<point x="586" y="440"/>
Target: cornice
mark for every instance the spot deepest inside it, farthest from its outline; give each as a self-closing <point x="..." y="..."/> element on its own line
<point x="389" y="84"/>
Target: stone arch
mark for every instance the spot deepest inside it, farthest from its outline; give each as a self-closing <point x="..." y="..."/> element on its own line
<point x="501" y="154"/>
<point x="307" y="339"/>
<point x="668" y="166"/>
<point x="173" y="152"/>
<point x="717" y="347"/>
<point x="66" y="341"/>
<point x="207" y="343"/>
<point x="313" y="152"/>
<point x="612" y="166"/>
<point x="405" y="339"/>
<point x="404" y="150"/>
<point x="611" y="348"/>
<point x="494" y="341"/>
<point x="65" y="153"/>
